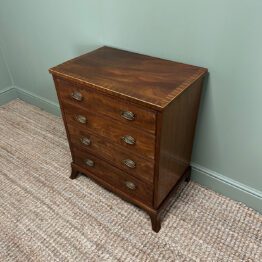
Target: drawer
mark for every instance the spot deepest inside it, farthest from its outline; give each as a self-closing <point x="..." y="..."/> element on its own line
<point x="128" y="137"/>
<point x="114" y="176"/>
<point x="142" y="168"/>
<point x="121" y="111"/>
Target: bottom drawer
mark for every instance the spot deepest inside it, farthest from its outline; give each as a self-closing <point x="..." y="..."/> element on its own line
<point x="114" y="176"/>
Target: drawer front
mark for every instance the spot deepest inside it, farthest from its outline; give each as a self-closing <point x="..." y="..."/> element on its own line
<point x="128" y="137"/>
<point x="142" y="168"/>
<point x="120" y="110"/>
<point x="114" y="176"/>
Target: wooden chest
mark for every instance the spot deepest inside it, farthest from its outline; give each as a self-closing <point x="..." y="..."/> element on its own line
<point x="130" y="121"/>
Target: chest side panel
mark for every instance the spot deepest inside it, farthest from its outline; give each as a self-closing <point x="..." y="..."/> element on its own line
<point x="176" y="136"/>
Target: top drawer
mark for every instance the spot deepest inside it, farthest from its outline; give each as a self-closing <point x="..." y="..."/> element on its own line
<point x="120" y="110"/>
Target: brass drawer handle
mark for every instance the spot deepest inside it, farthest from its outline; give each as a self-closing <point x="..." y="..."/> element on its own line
<point x="130" y="185"/>
<point x="86" y="141"/>
<point x="77" y="96"/>
<point x="128" y="140"/>
<point x="129" y="163"/>
<point x="89" y="162"/>
<point x="81" y="119"/>
<point x="128" y="115"/>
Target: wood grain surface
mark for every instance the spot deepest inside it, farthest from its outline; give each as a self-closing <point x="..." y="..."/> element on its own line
<point x="144" y="79"/>
<point x="111" y="130"/>
<point x="112" y="98"/>
<point x="107" y="105"/>
<point x="114" y="176"/>
<point x="144" y="169"/>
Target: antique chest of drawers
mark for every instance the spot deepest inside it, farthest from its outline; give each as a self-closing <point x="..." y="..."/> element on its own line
<point x="130" y="122"/>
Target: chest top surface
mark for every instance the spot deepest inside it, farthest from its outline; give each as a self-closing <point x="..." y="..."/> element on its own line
<point x="146" y="80"/>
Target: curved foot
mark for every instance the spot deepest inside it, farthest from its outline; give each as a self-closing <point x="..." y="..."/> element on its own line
<point x="74" y="173"/>
<point x="188" y="174"/>
<point x="156" y="222"/>
<point x="188" y="178"/>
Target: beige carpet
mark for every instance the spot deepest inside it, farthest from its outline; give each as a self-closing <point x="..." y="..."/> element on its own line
<point x="45" y="216"/>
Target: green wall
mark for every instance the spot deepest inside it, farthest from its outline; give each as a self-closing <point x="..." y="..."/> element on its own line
<point x="5" y="80"/>
<point x="7" y="91"/>
<point x="224" y="36"/>
<point x="39" y="34"/>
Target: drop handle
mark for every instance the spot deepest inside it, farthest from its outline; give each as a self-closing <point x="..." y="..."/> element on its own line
<point x="77" y="96"/>
<point x="86" y="141"/>
<point x="129" y="163"/>
<point x="81" y="119"/>
<point x="128" y="115"/>
<point x="128" y="140"/>
<point x="89" y="162"/>
<point x="130" y="185"/>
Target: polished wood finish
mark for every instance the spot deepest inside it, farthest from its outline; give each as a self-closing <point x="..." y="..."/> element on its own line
<point x="111" y="130"/>
<point x="177" y="123"/>
<point x="101" y="147"/>
<point x="145" y="80"/>
<point x="130" y="121"/>
<point x="114" y="176"/>
<point x="106" y="105"/>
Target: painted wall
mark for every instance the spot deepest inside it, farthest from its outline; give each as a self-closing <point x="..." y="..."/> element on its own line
<point x="7" y="91"/>
<point x="224" y="36"/>
<point x="5" y="80"/>
<point x="40" y="34"/>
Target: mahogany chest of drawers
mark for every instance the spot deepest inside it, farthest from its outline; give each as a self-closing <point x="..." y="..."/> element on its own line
<point x="130" y="122"/>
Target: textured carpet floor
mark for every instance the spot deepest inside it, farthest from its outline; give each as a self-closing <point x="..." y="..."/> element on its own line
<point x="45" y="216"/>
